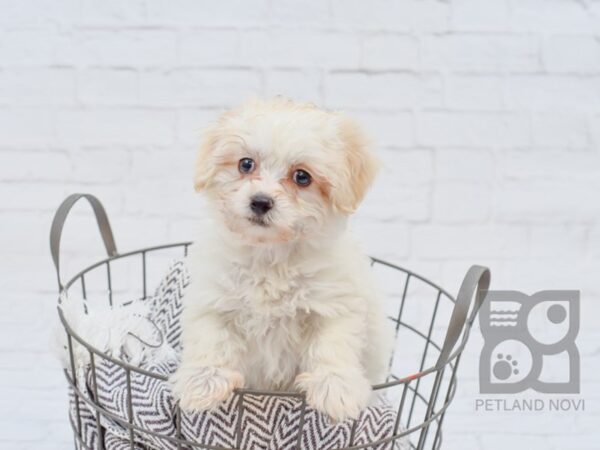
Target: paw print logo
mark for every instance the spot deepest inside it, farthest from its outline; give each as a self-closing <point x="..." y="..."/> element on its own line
<point x="505" y="367"/>
<point x="528" y="340"/>
<point x="510" y="362"/>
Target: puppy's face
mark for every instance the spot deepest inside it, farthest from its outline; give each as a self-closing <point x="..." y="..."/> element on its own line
<point x="279" y="171"/>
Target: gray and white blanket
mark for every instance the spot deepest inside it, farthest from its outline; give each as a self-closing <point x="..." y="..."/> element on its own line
<point x="266" y="422"/>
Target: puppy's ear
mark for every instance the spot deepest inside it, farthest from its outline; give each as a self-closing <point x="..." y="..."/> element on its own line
<point x="204" y="167"/>
<point x="360" y="168"/>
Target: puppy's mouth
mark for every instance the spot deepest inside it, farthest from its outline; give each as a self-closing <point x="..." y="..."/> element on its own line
<point x="260" y="221"/>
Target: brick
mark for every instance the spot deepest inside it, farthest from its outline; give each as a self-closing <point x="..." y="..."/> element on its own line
<point x="191" y="122"/>
<point x="161" y="197"/>
<point x="302" y="85"/>
<point x="101" y="165"/>
<point x="375" y="15"/>
<point x="525" y="427"/>
<point x="35" y="395"/>
<point x="402" y="187"/>
<point x="17" y="125"/>
<point x="13" y="432"/>
<point x="124" y="48"/>
<point x="22" y="235"/>
<point x="448" y="129"/>
<point x="29" y="196"/>
<point x="390" y="15"/>
<point x="47" y="12"/>
<point x="426" y="15"/>
<point x="156" y="164"/>
<point x="253" y="48"/>
<point x="210" y="47"/>
<point x="406" y="167"/>
<point x="390" y="243"/>
<point x="296" y="48"/>
<point x="546" y="200"/>
<point x="108" y="86"/>
<point x="37" y="87"/>
<point x="27" y="46"/>
<point x="568" y="241"/>
<point x="585" y="441"/>
<point x="571" y="54"/>
<point x="128" y="126"/>
<point x="474" y="92"/>
<point x="477" y="15"/>
<point x="386" y="91"/>
<point x="398" y="202"/>
<point x="23" y="269"/>
<point x="155" y="231"/>
<point x="455" y="441"/>
<point x="23" y="360"/>
<point x="187" y="229"/>
<point x="465" y="165"/>
<point x="158" y="88"/>
<point x="388" y="129"/>
<point x="468" y="242"/>
<point x="548" y="166"/>
<point x="293" y="12"/>
<point x="564" y="130"/>
<point x="386" y="51"/>
<point x="462" y="203"/>
<point x="112" y="12"/>
<point x="206" y="12"/>
<point x="480" y="52"/>
<point x="39" y="165"/>
<point x="497" y="441"/>
<point x="192" y="87"/>
<point x="554" y="16"/>
<point x="553" y="93"/>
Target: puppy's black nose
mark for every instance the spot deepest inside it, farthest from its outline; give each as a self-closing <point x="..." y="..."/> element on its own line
<point x="260" y="204"/>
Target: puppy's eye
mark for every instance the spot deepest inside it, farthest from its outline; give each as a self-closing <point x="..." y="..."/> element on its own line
<point x="302" y="178"/>
<point x="246" y="165"/>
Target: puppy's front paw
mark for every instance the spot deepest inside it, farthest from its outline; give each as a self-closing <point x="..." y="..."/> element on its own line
<point x="203" y="388"/>
<point x="340" y="393"/>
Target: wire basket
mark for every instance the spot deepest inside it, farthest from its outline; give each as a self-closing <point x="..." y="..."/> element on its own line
<point x="432" y="328"/>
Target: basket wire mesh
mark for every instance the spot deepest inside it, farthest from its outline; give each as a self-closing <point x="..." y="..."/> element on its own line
<point x="421" y="392"/>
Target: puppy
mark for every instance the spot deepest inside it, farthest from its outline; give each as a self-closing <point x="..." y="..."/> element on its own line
<point x="281" y="297"/>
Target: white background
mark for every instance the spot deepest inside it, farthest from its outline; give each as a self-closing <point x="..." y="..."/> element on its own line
<point x="486" y="115"/>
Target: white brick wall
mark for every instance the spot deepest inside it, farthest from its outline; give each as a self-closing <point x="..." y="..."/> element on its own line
<point x="486" y="114"/>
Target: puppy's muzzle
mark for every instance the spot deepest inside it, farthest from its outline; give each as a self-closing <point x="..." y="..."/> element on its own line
<point x="260" y="204"/>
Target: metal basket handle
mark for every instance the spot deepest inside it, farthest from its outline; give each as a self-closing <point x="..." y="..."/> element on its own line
<point x="475" y="284"/>
<point x="59" y="221"/>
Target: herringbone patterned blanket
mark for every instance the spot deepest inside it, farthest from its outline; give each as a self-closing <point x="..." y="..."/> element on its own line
<point x="266" y="422"/>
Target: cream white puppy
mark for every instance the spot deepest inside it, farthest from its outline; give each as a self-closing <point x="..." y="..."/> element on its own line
<point x="281" y="297"/>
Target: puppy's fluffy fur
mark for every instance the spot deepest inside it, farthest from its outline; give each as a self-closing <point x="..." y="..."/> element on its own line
<point x="283" y="300"/>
